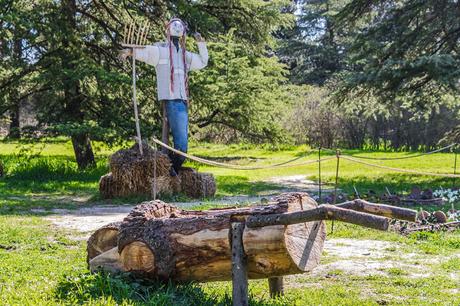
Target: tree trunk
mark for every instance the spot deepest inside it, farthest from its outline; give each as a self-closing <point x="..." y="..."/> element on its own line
<point x="14" y="130"/>
<point x="83" y="151"/>
<point x="163" y="242"/>
<point x="74" y="109"/>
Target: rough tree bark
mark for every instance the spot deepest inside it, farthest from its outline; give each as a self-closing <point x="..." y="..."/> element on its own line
<point x="163" y="242"/>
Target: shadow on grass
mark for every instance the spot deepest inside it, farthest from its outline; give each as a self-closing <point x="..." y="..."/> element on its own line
<point x="125" y="289"/>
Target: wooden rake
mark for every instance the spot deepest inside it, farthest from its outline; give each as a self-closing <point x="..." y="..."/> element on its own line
<point x="135" y="37"/>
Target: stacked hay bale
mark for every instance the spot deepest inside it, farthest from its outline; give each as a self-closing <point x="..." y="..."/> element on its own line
<point x="133" y="174"/>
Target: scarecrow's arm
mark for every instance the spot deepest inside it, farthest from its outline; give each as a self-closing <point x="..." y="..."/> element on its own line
<point x="149" y="55"/>
<point x="200" y="60"/>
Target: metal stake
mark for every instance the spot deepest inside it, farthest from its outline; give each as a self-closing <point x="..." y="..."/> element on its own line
<point x="136" y="115"/>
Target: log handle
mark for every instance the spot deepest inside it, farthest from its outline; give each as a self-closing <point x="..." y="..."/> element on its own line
<point x="381" y="210"/>
<point x="322" y="212"/>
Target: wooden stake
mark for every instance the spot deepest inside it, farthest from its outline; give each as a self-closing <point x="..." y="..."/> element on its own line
<point x="239" y="266"/>
<point x="319" y="174"/>
<point x="276" y="286"/>
<point x="455" y="167"/>
<point x="165" y="127"/>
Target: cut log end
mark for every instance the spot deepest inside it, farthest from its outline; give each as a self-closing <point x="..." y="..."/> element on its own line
<point x="102" y="240"/>
<point x="137" y="256"/>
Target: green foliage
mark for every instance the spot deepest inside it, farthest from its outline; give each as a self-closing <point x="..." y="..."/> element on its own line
<point x="403" y="50"/>
<point x="238" y="95"/>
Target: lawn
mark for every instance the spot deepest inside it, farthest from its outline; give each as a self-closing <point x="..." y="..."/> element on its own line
<point x="41" y="264"/>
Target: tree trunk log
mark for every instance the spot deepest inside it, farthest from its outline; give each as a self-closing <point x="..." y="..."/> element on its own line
<point x="193" y="245"/>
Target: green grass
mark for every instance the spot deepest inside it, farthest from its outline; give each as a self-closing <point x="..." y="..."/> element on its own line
<point x="44" y="265"/>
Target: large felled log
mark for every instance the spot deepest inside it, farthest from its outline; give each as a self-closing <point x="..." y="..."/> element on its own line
<point x="191" y="245"/>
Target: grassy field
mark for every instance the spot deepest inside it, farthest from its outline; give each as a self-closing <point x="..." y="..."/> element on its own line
<point x="41" y="264"/>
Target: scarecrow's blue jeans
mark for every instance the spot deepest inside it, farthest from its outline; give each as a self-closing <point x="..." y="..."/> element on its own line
<point x="177" y="113"/>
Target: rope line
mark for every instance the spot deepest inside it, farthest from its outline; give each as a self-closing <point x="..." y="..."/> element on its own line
<point x="238" y="167"/>
<point x="398" y="158"/>
<point x="399" y="169"/>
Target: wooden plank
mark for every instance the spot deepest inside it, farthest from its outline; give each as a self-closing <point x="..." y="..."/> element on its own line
<point x="239" y="266"/>
<point x="276" y="286"/>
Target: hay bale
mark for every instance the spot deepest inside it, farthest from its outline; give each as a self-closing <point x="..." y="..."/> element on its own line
<point x="108" y="188"/>
<point x="197" y="185"/>
<point x="135" y="172"/>
<point x="163" y="186"/>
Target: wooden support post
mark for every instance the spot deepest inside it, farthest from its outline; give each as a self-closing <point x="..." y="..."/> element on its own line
<point x="165" y="127"/>
<point x="276" y="286"/>
<point x="239" y="266"/>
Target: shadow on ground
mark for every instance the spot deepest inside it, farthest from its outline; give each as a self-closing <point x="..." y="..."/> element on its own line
<point x="125" y="289"/>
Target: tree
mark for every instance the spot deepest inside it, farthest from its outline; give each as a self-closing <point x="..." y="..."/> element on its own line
<point x="314" y="49"/>
<point x="404" y="50"/>
<point x="83" y="91"/>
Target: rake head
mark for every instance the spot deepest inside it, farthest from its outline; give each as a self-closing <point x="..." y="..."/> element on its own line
<point x="135" y="35"/>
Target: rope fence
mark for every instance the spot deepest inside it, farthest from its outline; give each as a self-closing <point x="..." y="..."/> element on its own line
<point x="239" y="167"/>
<point x="338" y="154"/>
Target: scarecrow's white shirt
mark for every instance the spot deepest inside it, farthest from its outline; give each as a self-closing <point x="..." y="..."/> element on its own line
<point x="158" y="56"/>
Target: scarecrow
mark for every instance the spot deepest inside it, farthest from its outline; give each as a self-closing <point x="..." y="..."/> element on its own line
<point x="172" y="63"/>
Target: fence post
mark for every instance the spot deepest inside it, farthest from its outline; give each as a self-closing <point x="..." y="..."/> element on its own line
<point x="239" y="266"/>
<point x="337" y="154"/>
<point x="455" y="166"/>
<point x="319" y="174"/>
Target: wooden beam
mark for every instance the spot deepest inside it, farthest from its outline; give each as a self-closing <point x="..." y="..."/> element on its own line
<point x="322" y="212"/>
<point x="276" y="286"/>
<point x="239" y="266"/>
<point x="381" y="210"/>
